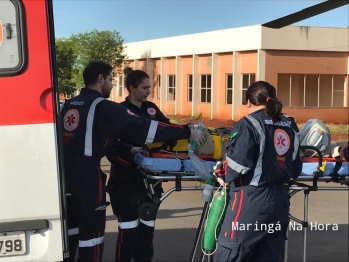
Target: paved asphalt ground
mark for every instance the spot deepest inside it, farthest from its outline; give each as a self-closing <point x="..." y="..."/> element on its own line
<point x="179" y="216"/>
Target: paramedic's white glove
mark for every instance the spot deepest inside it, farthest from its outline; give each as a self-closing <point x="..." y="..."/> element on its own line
<point x="336" y="151"/>
<point x="218" y="163"/>
<point x="221" y="182"/>
<point x="197" y="136"/>
<point x="218" y="169"/>
<point x="135" y="150"/>
<point x="218" y="166"/>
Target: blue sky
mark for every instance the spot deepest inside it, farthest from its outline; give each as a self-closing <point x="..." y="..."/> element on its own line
<point x="138" y="20"/>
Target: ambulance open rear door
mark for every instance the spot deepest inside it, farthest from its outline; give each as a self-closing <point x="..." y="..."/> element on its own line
<point x="32" y="195"/>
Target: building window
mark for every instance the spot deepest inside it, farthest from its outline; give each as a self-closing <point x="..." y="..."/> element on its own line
<point x="171" y="87"/>
<point x="206" y="88"/>
<point x="229" y="88"/>
<point x="338" y="82"/>
<point x="190" y="88"/>
<point x="298" y="90"/>
<point x="159" y="85"/>
<point x="247" y="80"/>
<point x="119" y="86"/>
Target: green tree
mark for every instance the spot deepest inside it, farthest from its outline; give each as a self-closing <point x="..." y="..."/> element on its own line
<point x="97" y="45"/>
<point x="65" y="57"/>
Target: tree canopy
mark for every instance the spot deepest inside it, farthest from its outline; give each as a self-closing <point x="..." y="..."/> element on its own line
<point x="84" y="48"/>
<point x="97" y="45"/>
<point x="65" y="58"/>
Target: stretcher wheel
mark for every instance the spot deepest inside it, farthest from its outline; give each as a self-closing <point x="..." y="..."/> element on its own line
<point x="136" y="200"/>
<point x="147" y="211"/>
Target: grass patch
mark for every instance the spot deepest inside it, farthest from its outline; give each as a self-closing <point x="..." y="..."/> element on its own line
<point x="174" y="121"/>
<point x="198" y="116"/>
<point x="334" y="128"/>
<point x="338" y="128"/>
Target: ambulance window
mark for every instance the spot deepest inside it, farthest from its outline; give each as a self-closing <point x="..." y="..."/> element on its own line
<point x="12" y="52"/>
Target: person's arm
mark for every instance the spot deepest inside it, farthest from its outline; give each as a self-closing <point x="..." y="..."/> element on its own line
<point x="161" y="117"/>
<point x="119" y="152"/>
<point x="241" y="150"/>
<point x="297" y="166"/>
<point x="138" y="130"/>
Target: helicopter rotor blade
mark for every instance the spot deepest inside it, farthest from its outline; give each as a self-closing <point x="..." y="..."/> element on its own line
<point x="305" y="13"/>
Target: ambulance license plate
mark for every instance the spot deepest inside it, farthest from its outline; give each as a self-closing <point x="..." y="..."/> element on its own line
<point x="12" y="243"/>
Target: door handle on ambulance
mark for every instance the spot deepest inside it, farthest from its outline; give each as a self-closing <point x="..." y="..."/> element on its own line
<point x="45" y="95"/>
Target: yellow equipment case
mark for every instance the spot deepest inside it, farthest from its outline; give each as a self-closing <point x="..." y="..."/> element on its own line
<point x="212" y="149"/>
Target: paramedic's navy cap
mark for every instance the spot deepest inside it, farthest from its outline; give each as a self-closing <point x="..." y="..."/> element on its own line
<point x="346" y="152"/>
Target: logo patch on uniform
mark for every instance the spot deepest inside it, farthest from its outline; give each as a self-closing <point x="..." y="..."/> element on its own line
<point x="130" y="112"/>
<point x="281" y="141"/>
<point x="151" y="111"/>
<point x="71" y="119"/>
<point x="233" y="135"/>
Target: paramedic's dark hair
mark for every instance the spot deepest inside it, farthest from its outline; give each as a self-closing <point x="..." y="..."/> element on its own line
<point x="133" y="77"/>
<point x="93" y="70"/>
<point x="263" y="93"/>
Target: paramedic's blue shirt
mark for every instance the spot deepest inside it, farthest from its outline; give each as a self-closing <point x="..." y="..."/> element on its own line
<point x="148" y="110"/>
<point x="89" y="120"/>
<point x="119" y="151"/>
<point x="262" y="152"/>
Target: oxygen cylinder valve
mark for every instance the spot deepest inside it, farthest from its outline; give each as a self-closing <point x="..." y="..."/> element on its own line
<point x="208" y="190"/>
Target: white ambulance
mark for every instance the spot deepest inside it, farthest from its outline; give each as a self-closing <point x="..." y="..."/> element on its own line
<point x="32" y="195"/>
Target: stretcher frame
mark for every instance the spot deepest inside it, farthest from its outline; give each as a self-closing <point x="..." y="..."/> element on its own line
<point x="297" y="185"/>
<point x="151" y="178"/>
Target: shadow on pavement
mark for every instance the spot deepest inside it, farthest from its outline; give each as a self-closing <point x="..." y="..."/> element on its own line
<point x="177" y="244"/>
<point x="174" y="213"/>
<point x="326" y="245"/>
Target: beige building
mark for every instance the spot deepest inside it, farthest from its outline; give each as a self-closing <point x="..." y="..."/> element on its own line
<point x="208" y="73"/>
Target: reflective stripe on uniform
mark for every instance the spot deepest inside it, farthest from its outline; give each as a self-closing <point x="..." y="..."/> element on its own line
<point x="296" y="145"/>
<point x="89" y="125"/>
<point x="73" y="231"/>
<point x="237" y="167"/>
<point x="258" y="169"/>
<point x="152" y="131"/>
<point x="150" y="223"/>
<point x="91" y="242"/>
<point x="129" y="224"/>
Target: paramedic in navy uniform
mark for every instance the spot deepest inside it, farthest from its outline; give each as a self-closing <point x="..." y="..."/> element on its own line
<point x="262" y="154"/>
<point x="88" y="121"/>
<point x="135" y="238"/>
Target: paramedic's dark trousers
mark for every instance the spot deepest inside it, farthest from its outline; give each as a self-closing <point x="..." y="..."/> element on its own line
<point x="135" y="237"/>
<point x="86" y="225"/>
<point x="255" y="225"/>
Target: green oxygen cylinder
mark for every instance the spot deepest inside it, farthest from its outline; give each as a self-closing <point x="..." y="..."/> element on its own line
<point x="214" y="220"/>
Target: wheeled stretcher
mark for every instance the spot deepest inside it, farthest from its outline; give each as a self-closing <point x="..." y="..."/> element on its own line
<point x="155" y="170"/>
